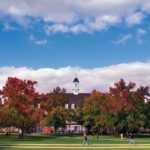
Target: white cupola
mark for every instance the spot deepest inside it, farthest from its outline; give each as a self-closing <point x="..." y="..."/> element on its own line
<point x="76" y="86"/>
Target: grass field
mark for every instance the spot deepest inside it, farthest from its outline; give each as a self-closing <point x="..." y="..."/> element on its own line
<point x="43" y="142"/>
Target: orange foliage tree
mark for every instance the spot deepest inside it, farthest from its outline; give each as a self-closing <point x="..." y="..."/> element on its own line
<point x="20" y="102"/>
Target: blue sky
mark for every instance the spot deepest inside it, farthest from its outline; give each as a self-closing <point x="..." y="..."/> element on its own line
<point x="100" y="40"/>
<point x="27" y="43"/>
<point x="86" y="50"/>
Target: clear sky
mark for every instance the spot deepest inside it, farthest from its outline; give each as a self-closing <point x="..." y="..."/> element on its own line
<point x="86" y="34"/>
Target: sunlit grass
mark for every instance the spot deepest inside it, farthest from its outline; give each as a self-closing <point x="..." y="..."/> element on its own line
<point x="70" y="141"/>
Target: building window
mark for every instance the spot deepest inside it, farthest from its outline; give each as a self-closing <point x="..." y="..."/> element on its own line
<point x="72" y="106"/>
<point x="66" y="106"/>
<point x="39" y="106"/>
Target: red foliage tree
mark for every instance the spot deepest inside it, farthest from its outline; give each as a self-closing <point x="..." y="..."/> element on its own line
<point x="20" y="95"/>
<point x="120" y="97"/>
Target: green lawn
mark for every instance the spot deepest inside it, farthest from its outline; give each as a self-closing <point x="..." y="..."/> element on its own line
<point x="47" y="139"/>
<point x="78" y="149"/>
<point x="43" y="142"/>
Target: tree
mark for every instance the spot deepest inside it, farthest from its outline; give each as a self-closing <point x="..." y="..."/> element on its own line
<point x="56" y="112"/>
<point x="141" y="107"/>
<point x="57" y="118"/>
<point x="19" y="103"/>
<point x="7" y="116"/>
<point x="147" y="112"/>
<point x="126" y="106"/>
<point x="92" y="110"/>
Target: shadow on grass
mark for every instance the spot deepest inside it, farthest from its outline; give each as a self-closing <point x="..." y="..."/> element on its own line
<point x="39" y="138"/>
<point x="27" y="138"/>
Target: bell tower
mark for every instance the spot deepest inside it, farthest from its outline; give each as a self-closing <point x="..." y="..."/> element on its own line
<point x="76" y="86"/>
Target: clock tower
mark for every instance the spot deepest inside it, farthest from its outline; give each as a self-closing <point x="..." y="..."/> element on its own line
<point x="76" y="86"/>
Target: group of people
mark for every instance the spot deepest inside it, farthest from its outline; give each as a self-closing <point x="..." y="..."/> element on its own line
<point x="85" y="138"/>
<point x="131" y="138"/>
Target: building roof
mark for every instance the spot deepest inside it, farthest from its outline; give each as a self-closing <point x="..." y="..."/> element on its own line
<point x="76" y="80"/>
<point x="76" y="99"/>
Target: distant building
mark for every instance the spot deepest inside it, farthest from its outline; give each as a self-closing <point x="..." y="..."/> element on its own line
<point x="76" y="86"/>
<point x="74" y="100"/>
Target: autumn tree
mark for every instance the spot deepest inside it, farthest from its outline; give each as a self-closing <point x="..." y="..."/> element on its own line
<point x="92" y="111"/>
<point x="7" y="116"/>
<point x="126" y="105"/>
<point x="123" y="107"/>
<point x="19" y="103"/>
<point x="56" y="112"/>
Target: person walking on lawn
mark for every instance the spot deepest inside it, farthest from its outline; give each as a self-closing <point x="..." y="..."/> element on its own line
<point x="131" y="138"/>
<point x="85" y="139"/>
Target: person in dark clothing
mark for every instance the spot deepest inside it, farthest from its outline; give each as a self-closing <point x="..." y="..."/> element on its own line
<point x="97" y="135"/>
<point x="131" y="138"/>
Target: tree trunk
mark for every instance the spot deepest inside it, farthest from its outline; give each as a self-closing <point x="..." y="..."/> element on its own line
<point x="55" y="129"/>
<point x="22" y="131"/>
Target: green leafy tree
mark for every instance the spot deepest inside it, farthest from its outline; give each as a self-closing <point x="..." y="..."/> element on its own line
<point x="56" y="112"/>
<point x="147" y="112"/>
<point x="92" y="111"/>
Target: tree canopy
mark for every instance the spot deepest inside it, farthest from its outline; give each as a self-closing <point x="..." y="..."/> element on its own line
<point x="124" y="107"/>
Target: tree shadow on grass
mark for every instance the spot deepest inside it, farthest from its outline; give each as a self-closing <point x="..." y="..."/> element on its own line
<point x="14" y="139"/>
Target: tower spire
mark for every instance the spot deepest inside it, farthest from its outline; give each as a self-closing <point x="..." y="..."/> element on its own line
<point x="76" y="85"/>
